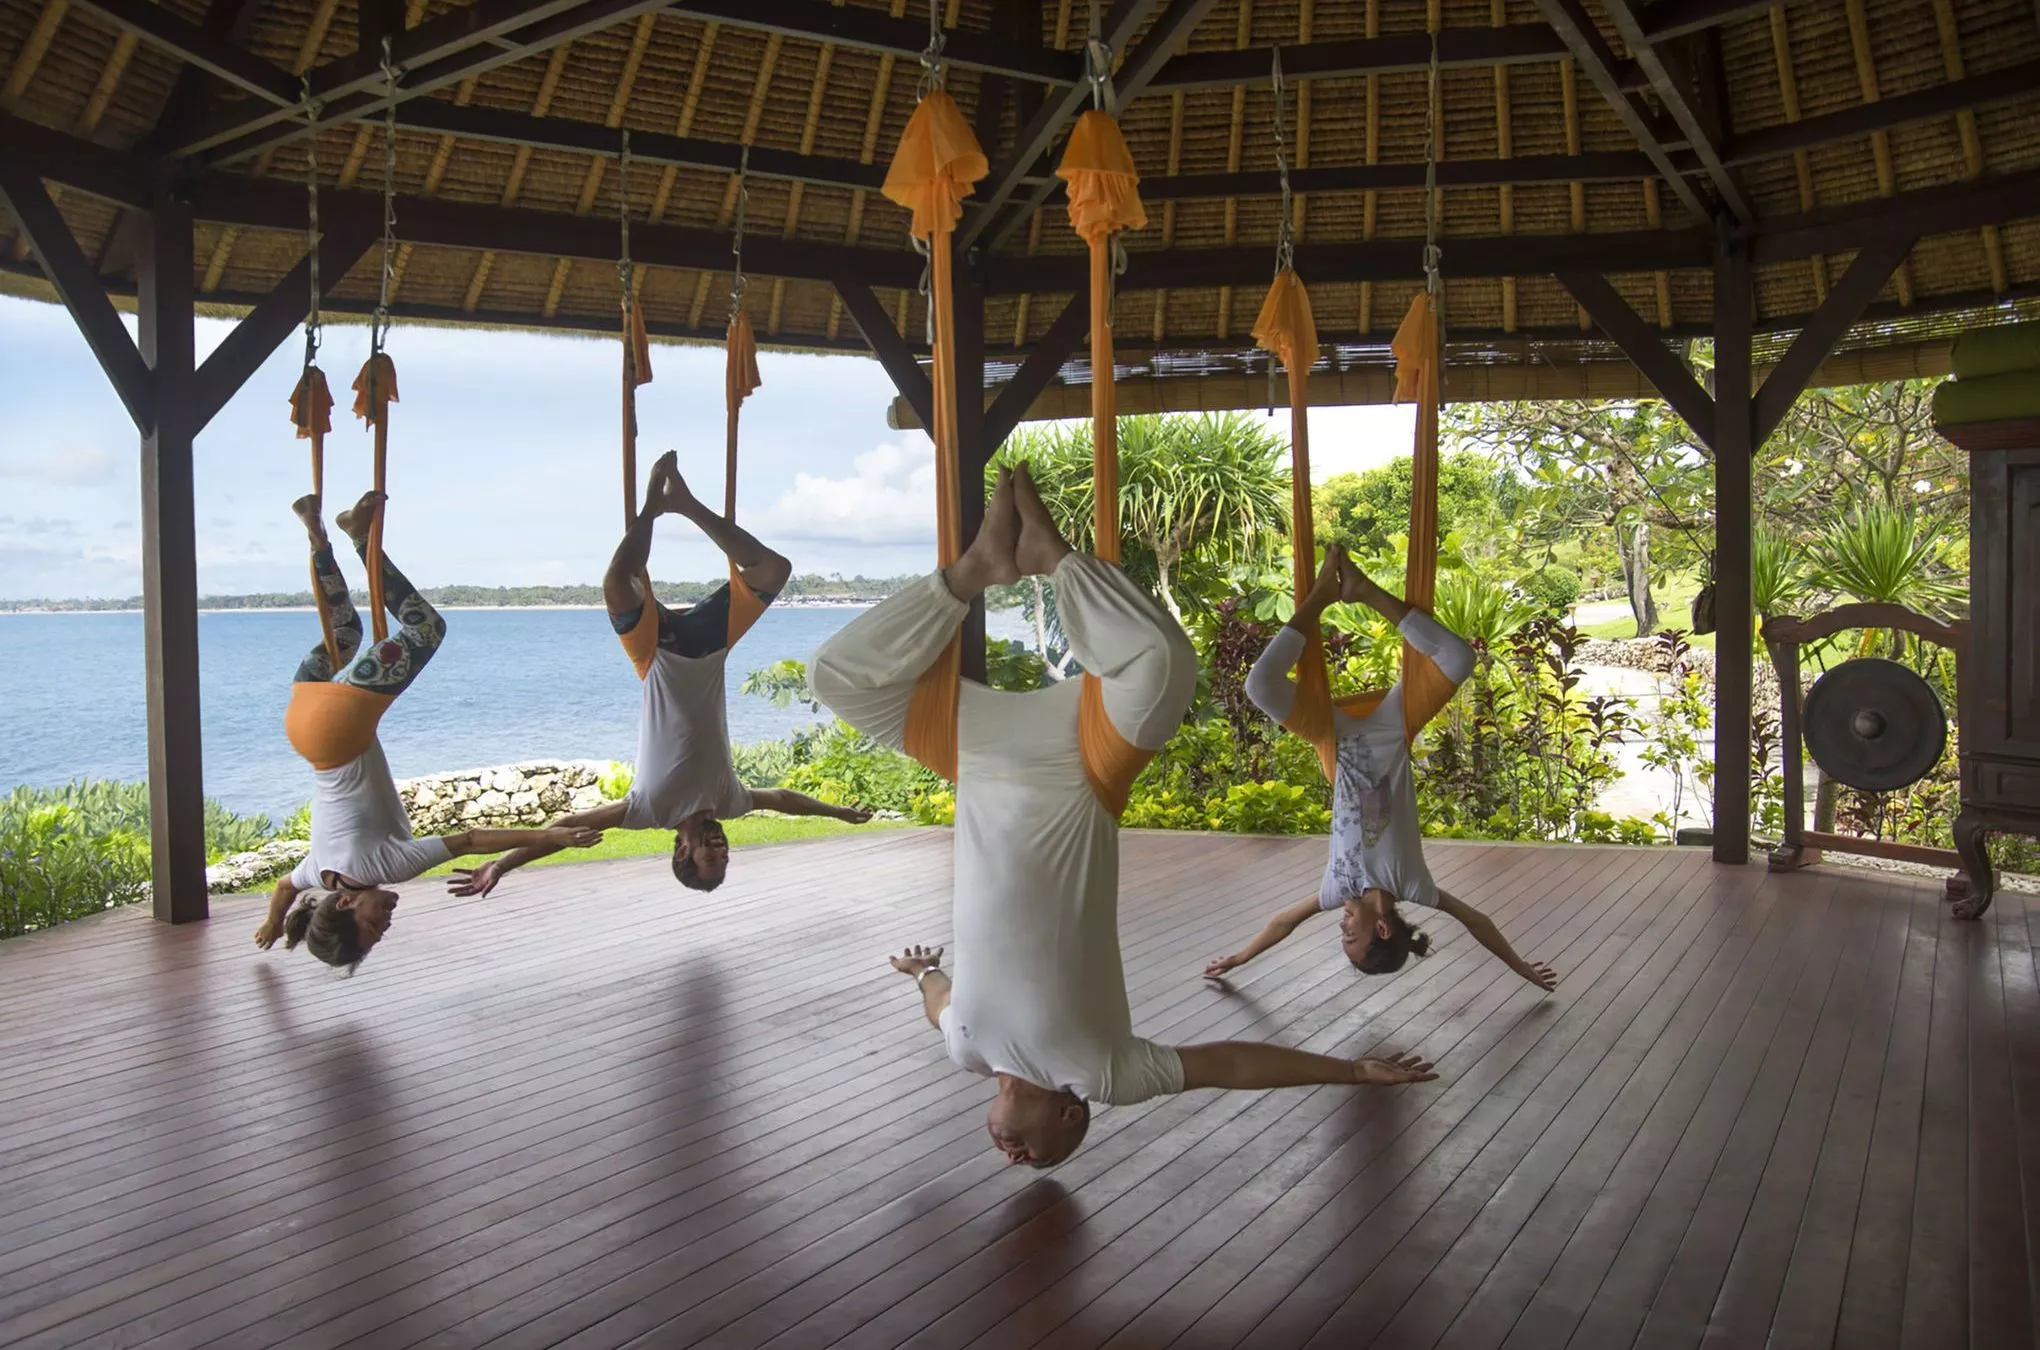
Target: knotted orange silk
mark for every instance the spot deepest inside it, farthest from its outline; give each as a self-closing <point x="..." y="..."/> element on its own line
<point x="375" y="389"/>
<point x="311" y="412"/>
<point x="1285" y="328"/>
<point x="1104" y="192"/>
<point x="936" y="165"/>
<point x="637" y="370"/>
<point x="740" y="381"/>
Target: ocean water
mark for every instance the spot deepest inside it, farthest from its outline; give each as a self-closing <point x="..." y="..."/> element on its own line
<point x="509" y="684"/>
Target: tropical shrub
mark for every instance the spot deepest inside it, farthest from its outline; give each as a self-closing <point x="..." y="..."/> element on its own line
<point x="108" y="806"/>
<point x="763" y="764"/>
<point x="1272" y="807"/>
<point x="837" y="763"/>
<point x="935" y="806"/>
<point x="1011" y="666"/>
<point x="785" y="683"/>
<point x="1552" y="589"/>
<point x="52" y="868"/>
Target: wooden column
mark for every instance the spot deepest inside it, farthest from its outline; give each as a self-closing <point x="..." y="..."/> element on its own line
<point x="974" y="446"/>
<point x="170" y="565"/>
<point x="1733" y="514"/>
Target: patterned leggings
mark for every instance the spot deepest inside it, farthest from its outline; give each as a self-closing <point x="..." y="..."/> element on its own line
<point x="386" y="667"/>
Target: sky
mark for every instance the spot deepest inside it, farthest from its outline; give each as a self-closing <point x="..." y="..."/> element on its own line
<point x="503" y="461"/>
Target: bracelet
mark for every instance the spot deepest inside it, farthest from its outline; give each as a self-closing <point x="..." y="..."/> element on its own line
<point x="926" y="971"/>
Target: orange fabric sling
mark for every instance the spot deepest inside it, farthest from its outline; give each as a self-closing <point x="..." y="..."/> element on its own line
<point x="375" y="389"/>
<point x="1104" y="193"/>
<point x="311" y="412"/>
<point x="935" y="167"/>
<point x="1286" y="329"/>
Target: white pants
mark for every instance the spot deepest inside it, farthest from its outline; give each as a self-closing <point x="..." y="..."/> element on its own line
<point x="1143" y="659"/>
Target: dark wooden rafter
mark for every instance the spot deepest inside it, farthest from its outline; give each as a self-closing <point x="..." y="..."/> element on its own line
<point x="1679" y="82"/>
<point x="77" y="284"/>
<point x="875" y="31"/>
<point x="889" y="347"/>
<point x="1845" y="303"/>
<point x="198" y="46"/>
<point x="1884" y="114"/>
<point x="1645" y="347"/>
<point x="1034" y="141"/>
<point x="1569" y="18"/>
<point x="1664" y="19"/>
<point x="435" y="54"/>
<point x="1512" y="44"/>
<point x="273" y="318"/>
<point x="1044" y="362"/>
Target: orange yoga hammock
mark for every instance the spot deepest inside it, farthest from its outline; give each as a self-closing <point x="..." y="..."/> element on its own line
<point x="1286" y="329"/>
<point x="937" y="164"/>
<point x="375" y="389"/>
<point x="311" y="412"/>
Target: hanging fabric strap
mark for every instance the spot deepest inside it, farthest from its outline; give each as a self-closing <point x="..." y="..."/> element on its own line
<point x="1104" y="193"/>
<point x="936" y="165"/>
<point x="637" y="348"/>
<point x="375" y="388"/>
<point x="311" y="403"/>
<point x="740" y="381"/>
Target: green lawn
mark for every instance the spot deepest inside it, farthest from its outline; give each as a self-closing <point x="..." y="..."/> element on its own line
<point x="744" y="831"/>
<point x="1675" y="610"/>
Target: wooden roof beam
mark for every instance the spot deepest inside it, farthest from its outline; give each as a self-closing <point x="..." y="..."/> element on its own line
<point x="1570" y="20"/>
<point x="1133" y="76"/>
<point x="875" y="31"/>
<point x="646" y="147"/>
<point x="1676" y="18"/>
<point x="1509" y="44"/>
<point x="1598" y="167"/>
<point x="196" y="45"/>
<point x="1923" y="105"/>
<point x="435" y="54"/>
<point x="1680" y="86"/>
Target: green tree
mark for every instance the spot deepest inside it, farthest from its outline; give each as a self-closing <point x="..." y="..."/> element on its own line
<point x="1858" y="446"/>
<point x="1630" y="467"/>
<point x="1195" y="494"/>
<point x="1885" y="556"/>
<point x="1365" y="511"/>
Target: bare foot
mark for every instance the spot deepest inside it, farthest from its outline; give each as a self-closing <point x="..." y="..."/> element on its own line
<point x="306" y="508"/>
<point x="357" y="519"/>
<point x="1041" y="547"/>
<point x="1355" y="586"/>
<point x="989" y="559"/>
<point x="666" y="493"/>
<point x="1330" y="582"/>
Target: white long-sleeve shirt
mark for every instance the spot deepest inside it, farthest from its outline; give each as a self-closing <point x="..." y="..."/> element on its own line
<point x="1377" y="838"/>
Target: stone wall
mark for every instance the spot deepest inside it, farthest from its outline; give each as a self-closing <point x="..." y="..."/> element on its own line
<point x="504" y="797"/>
<point x="1649" y="654"/>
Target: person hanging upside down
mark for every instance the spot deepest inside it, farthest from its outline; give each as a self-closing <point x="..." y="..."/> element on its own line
<point x="1377" y="857"/>
<point x="1038" y="1000"/>
<point x="686" y="781"/>
<point x="337" y="901"/>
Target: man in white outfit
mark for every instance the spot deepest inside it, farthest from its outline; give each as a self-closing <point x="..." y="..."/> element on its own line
<point x="1038" y="1000"/>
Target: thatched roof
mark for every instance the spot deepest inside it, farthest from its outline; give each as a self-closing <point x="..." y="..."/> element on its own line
<point x="1949" y="92"/>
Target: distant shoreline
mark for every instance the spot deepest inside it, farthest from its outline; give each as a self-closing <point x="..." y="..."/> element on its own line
<point x="445" y="609"/>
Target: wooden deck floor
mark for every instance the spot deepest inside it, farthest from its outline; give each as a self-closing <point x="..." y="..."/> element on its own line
<point x="594" y="1111"/>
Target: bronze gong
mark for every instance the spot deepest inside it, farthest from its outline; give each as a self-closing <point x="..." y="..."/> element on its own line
<point x="1874" y="725"/>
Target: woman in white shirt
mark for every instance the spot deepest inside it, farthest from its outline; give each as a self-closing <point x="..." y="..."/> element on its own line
<point x="1377" y="850"/>
<point x="337" y="899"/>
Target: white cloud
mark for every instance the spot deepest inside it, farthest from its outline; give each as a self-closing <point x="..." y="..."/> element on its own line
<point x="70" y="466"/>
<point x="888" y="498"/>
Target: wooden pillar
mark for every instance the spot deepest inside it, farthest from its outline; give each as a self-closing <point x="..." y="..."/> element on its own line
<point x="1733" y="515"/>
<point x="170" y="565"/>
<point x="974" y="445"/>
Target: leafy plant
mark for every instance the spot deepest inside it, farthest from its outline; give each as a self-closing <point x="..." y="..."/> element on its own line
<point x="785" y="683"/>
<point x="762" y="764"/>
<point x="614" y="781"/>
<point x="1011" y="666"/>
<point x="1480" y="610"/>
<point x="1778" y="574"/>
<point x="52" y="868"/>
<point x="1884" y="555"/>
<point x="1553" y="589"/>
<point x="1269" y="808"/>
<point x="935" y="806"/>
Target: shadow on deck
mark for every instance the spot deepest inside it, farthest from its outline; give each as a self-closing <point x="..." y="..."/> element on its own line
<point x="596" y="1110"/>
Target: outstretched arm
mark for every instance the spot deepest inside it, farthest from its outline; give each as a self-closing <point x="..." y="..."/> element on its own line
<point x="280" y="901"/>
<point x="576" y="830"/>
<point x="1253" y="1064"/>
<point x="923" y="965"/>
<point x="1283" y="923"/>
<point x="1487" y="935"/>
<point x="791" y="803"/>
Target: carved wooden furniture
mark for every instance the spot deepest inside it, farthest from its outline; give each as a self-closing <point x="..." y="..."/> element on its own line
<point x="2000" y="681"/>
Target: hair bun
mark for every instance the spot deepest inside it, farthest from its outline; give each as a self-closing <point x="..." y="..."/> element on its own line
<point x="297" y="922"/>
<point x="1420" y="942"/>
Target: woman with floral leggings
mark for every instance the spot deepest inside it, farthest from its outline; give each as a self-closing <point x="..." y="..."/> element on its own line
<point x="336" y="900"/>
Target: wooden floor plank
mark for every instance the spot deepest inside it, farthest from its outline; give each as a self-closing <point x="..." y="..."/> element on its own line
<point x="1802" y="1107"/>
